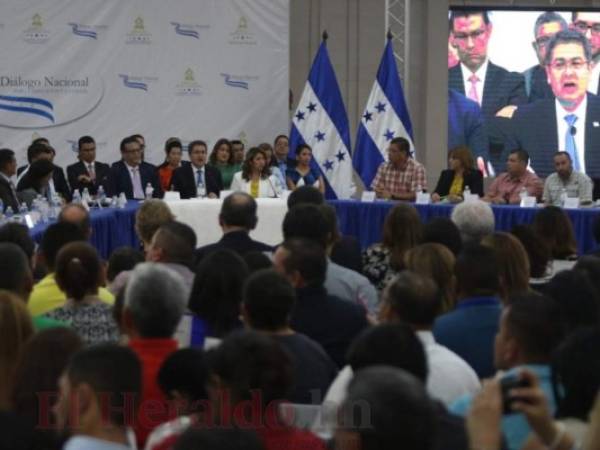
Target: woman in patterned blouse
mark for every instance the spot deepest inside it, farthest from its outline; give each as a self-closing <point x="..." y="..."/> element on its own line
<point x="79" y="273"/>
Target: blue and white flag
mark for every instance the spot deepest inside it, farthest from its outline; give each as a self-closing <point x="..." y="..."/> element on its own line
<point x="385" y="117"/>
<point x="321" y="122"/>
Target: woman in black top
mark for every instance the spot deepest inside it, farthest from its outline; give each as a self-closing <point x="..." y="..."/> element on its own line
<point x="462" y="173"/>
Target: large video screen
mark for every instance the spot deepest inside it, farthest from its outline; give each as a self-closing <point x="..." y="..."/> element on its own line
<point x="523" y="79"/>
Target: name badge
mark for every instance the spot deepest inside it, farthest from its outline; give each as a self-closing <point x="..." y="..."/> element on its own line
<point x="423" y="198"/>
<point x="571" y="203"/>
<point x="528" y="202"/>
<point x="368" y="196"/>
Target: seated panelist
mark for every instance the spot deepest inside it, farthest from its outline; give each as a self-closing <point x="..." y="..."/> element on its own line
<point x="461" y="174"/>
<point x="197" y="179"/>
<point x="256" y="178"/>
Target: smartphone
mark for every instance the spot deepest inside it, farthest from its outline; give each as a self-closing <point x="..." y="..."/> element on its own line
<point x="506" y="385"/>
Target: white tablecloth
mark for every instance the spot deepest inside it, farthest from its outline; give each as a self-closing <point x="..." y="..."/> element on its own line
<point x="203" y="216"/>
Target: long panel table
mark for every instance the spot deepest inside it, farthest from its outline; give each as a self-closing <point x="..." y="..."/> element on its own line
<point x="365" y="219"/>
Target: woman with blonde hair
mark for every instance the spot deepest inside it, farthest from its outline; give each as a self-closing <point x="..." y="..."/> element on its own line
<point x="15" y="329"/>
<point x="436" y="262"/>
<point x="461" y="174"/>
<point x="513" y="263"/>
<point x="149" y="217"/>
<point x="402" y="230"/>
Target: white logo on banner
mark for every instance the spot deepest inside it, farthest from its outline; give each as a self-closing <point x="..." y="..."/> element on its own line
<point x="137" y="82"/>
<point x="188" y="30"/>
<point x="242" y="35"/>
<point x="86" y="31"/>
<point x="36" y="33"/>
<point x="238" y="81"/>
<point x="188" y="86"/>
<point x="139" y="35"/>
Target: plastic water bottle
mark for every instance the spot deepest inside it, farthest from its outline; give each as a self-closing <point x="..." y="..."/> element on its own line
<point x="149" y="191"/>
<point x="467" y="192"/>
<point x="419" y="189"/>
<point x="563" y="196"/>
<point x="101" y="195"/>
<point x="76" y="196"/>
<point x="122" y="200"/>
<point x="8" y="214"/>
<point x="86" y="197"/>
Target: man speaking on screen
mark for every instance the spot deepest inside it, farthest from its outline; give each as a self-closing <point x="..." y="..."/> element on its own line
<point x="571" y="121"/>
<point x="494" y="88"/>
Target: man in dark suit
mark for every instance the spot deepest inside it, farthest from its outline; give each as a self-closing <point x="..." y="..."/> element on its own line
<point x="8" y="168"/>
<point x="131" y="175"/>
<point x="571" y="122"/>
<point x="87" y="173"/>
<point x="197" y="179"/>
<point x="237" y="218"/>
<point x="588" y="24"/>
<point x="494" y="88"/>
<point x="466" y="126"/>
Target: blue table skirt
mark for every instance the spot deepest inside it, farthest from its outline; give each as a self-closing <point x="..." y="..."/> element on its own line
<point x="111" y="228"/>
<point x="365" y="219"/>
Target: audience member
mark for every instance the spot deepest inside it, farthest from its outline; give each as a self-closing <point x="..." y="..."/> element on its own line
<point x="15" y="329"/>
<point x="513" y="263"/>
<point x="461" y="175"/>
<point x="304" y="264"/>
<point x="197" y="179"/>
<point x="122" y="259"/>
<point x="87" y="172"/>
<point x="402" y="176"/>
<point x="173" y="154"/>
<point x="399" y="412"/>
<point x="415" y="300"/>
<point x="155" y="300"/>
<point x="37" y="150"/>
<point x="221" y="158"/>
<point x="474" y="220"/>
<point x="590" y="265"/>
<point x="182" y="378"/>
<point x="267" y="307"/>
<point x="529" y="332"/>
<point x="257" y="261"/>
<point x="303" y="173"/>
<point x="149" y="217"/>
<point x="76" y="214"/>
<point x="510" y="186"/>
<point x="538" y="254"/>
<point x="79" y="274"/>
<point x="219" y="439"/>
<point x="319" y="224"/>
<point x="469" y="330"/>
<point x="96" y="377"/>
<point x="43" y="359"/>
<point x="8" y="169"/>
<point x="402" y="230"/>
<point x="46" y="294"/>
<point x="36" y="182"/>
<point x="216" y="298"/>
<point x="237" y="219"/>
<point x="554" y="226"/>
<point x="442" y="230"/>
<point x="436" y="262"/>
<point x="18" y="234"/>
<point x="249" y="367"/>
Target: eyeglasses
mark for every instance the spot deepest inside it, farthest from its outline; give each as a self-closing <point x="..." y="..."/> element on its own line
<point x="138" y="150"/>
<point x="562" y="64"/>
<point x="475" y="35"/>
<point x="584" y="26"/>
<point x="543" y="41"/>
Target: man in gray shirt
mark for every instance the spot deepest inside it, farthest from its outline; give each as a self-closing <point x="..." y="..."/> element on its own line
<point x="566" y="181"/>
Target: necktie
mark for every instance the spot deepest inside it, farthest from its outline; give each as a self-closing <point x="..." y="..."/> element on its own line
<point x="199" y="178"/>
<point x="570" y="146"/>
<point x="138" y="190"/>
<point x="473" y="95"/>
<point x="91" y="171"/>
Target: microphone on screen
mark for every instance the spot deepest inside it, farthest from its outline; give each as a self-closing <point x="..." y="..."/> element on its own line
<point x="572" y="130"/>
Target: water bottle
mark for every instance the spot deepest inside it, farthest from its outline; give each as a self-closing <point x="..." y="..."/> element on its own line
<point x="467" y="192"/>
<point x="9" y="214"/>
<point x="149" y="191"/>
<point x="76" y="196"/>
<point x="563" y="196"/>
<point x="1" y="205"/>
<point x="523" y="193"/>
<point x="419" y="189"/>
<point x="101" y="195"/>
<point x="122" y="200"/>
<point x="86" y="195"/>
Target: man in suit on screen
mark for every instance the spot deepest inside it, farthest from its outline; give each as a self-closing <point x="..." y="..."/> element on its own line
<point x="494" y="88"/>
<point x="588" y="24"/>
<point x="569" y="122"/>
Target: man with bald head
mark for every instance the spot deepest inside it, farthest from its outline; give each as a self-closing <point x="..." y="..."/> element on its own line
<point x="76" y="214"/>
<point x="237" y="218"/>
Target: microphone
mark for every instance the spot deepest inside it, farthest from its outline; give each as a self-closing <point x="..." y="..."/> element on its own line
<point x="273" y="188"/>
<point x="572" y="130"/>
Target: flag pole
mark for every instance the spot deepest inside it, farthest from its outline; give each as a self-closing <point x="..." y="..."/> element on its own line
<point x="325" y="36"/>
<point x="389" y="34"/>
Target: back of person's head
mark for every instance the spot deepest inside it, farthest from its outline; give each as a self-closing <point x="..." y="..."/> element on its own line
<point x="436" y="262"/>
<point x="476" y="271"/>
<point x="577" y="298"/>
<point x="78" y="271"/>
<point x="38" y="170"/>
<point x="256" y="261"/>
<point x="413" y="299"/>
<point x="306" y="221"/>
<point x="7" y="156"/>
<point x="590" y="265"/>
<point x="18" y="234"/>
<point x="76" y="214"/>
<point x="268" y="300"/>
<point x="43" y="359"/>
<point x="176" y="241"/>
<point x="218" y="439"/>
<point x="474" y="220"/>
<point x="56" y="237"/>
<point x="122" y="259"/>
<point x="513" y="262"/>
<point x="534" y="323"/>
<point x="306" y="194"/>
<point x="15" y="271"/>
<point x="402" y="230"/>
<point x="537" y="250"/>
<point x="596" y="229"/>
<point x="114" y="375"/>
<point x="330" y="216"/>
<point x="306" y="258"/>
<point x="239" y="210"/>
<point x="388" y="408"/>
<point x="554" y="226"/>
<point x="442" y="230"/>
<point x="35" y="150"/>
<point x="576" y="373"/>
<point x="250" y="363"/>
<point x="183" y="377"/>
<point x="217" y="291"/>
<point x="394" y="345"/>
<point x="155" y="300"/>
<point x="150" y="216"/>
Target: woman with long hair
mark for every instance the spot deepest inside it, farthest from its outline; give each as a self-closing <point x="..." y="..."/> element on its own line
<point x="256" y="178"/>
<point x="221" y="158"/>
<point x="461" y="174"/>
<point x="303" y="174"/>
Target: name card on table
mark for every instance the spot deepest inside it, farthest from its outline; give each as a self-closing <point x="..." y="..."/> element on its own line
<point x="368" y="196"/>
<point x="470" y="198"/>
<point x="571" y="203"/>
<point x="171" y="196"/>
<point x="528" y="201"/>
<point x="423" y="198"/>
